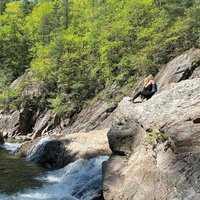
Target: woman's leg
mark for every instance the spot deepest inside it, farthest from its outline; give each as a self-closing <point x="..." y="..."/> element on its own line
<point x="137" y="95"/>
<point x="145" y="94"/>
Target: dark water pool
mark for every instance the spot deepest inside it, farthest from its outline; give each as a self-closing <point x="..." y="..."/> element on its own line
<point x="17" y="174"/>
<point x="80" y="180"/>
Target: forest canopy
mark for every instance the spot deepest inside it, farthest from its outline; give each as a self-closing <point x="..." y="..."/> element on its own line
<point x="76" y="49"/>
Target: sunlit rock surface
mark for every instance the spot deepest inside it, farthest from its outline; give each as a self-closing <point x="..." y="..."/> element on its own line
<point x="185" y="66"/>
<point x="156" y="145"/>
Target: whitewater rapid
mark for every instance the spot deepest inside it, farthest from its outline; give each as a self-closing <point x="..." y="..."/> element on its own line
<point x="80" y="180"/>
<point x="10" y="146"/>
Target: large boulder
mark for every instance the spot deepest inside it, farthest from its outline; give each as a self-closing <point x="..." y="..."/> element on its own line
<point x="156" y="148"/>
<point x="57" y="151"/>
<point x="32" y="117"/>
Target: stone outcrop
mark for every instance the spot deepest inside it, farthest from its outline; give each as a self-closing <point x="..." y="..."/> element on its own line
<point x="57" y="151"/>
<point x="28" y="123"/>
<point x="20" y="122"/>
<point x="45" y="123"/>
<point x="9" y="124"/>
<point x="185" y="66"/>
<point x="97" y="116"/>
<point x="156" y="148"/>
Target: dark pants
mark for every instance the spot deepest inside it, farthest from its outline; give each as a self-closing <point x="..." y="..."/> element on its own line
<point x="144" y="94"/>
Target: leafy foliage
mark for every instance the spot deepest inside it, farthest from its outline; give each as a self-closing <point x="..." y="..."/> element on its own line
<point x="155" y="138"/>
<point x="79" y="48"/>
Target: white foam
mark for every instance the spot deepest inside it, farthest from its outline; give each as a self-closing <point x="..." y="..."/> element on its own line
<point x="80" y="180"/>
<point x="10" y="146"/>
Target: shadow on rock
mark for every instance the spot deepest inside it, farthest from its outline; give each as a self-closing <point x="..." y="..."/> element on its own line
<point x="48" y="153"/>
<point x="57" y="151"/>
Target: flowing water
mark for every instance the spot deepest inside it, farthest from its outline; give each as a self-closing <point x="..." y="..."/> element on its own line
<point x="22" y="180"/>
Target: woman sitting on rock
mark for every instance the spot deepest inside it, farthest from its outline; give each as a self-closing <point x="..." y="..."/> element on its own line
<point x="150" y="88"/>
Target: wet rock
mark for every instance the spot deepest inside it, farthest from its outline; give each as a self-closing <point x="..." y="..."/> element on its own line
<point x="1" y="138"/>
<point x="57" y="151"/>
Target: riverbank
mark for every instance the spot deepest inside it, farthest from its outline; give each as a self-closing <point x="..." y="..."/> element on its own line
<point x="22" y="180"/>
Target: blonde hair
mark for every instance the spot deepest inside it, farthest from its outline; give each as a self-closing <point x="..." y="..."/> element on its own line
<point x="150" y="77"/>
<point x="146" y="80"/>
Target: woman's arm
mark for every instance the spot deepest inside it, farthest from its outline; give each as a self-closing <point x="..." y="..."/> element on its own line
<point x="149" y="83"/>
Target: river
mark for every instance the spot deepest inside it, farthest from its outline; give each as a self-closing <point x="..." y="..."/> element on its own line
<point x="23" y="180"/>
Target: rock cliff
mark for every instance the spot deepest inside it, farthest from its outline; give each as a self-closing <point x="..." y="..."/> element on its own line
<point x="185" y="66"/>
<point x="27" y="123"/>
<point x="155" y="144"/>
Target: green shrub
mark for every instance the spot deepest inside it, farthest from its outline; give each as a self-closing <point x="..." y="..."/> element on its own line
<point x="155" y="138"/>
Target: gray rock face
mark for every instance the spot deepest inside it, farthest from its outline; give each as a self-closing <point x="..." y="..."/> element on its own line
<point x="20" y="122"/>
<point x="156" y="148"/>
<point x="97" y="116"/>
<point x="39" y="122"/>
<point x="32" y="119"/>
<point x="1" y="138"/>
<point x="43" y="124"/>
<point x="125" y="134"/>
<point x="9" y="124"/>
<point x="185" y="66"/>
